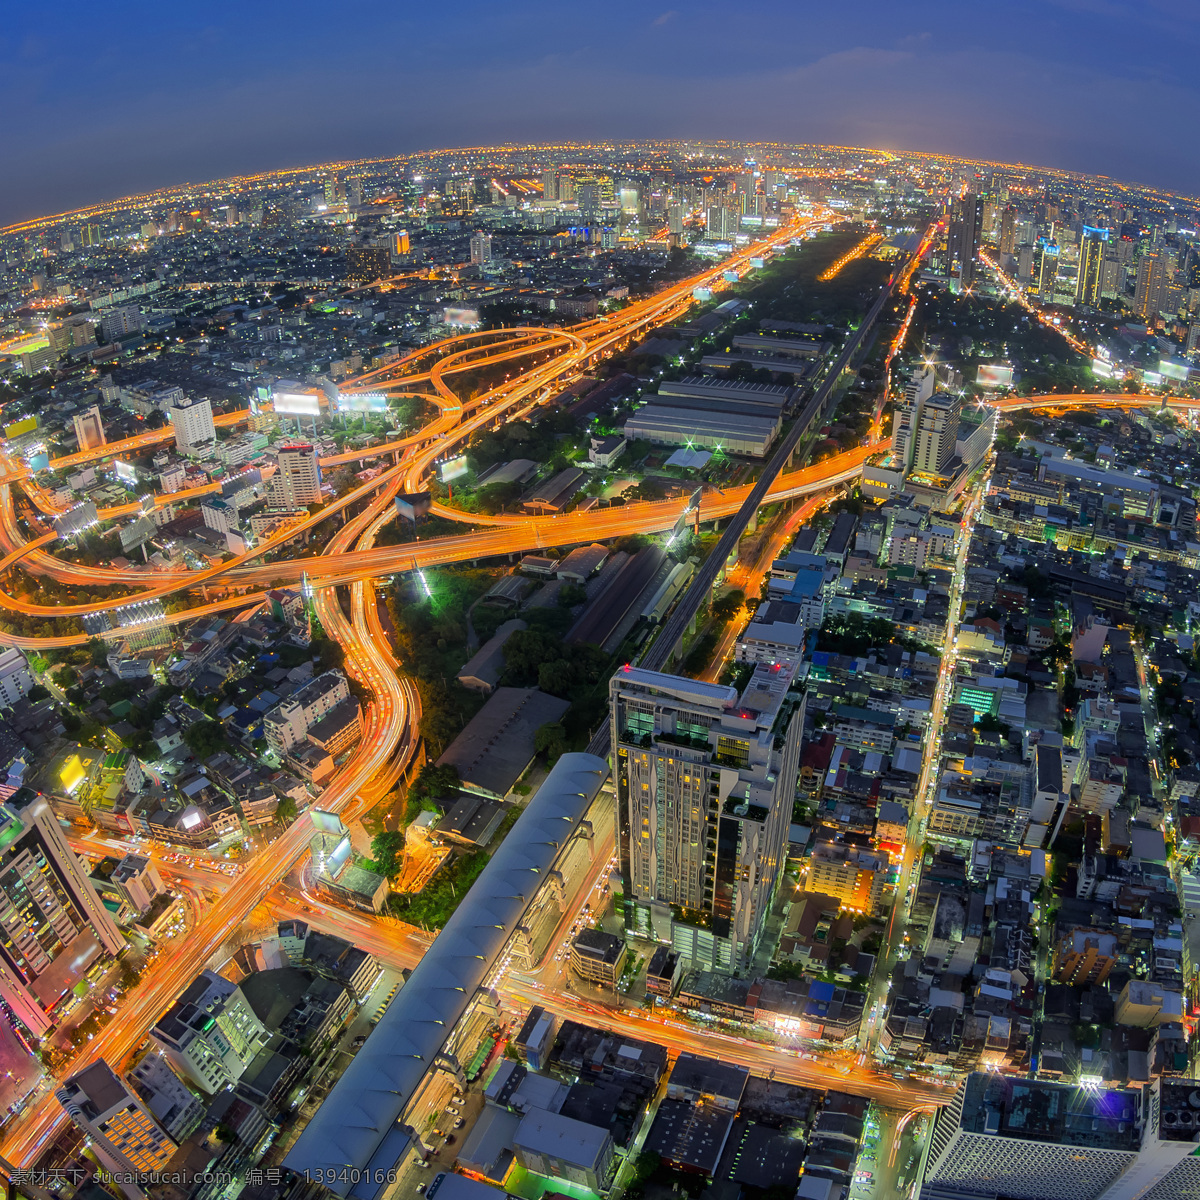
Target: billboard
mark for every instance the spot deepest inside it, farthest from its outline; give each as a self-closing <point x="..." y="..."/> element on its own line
<point x="413" y="505"/>
<point x="460" y="317"/>
<point x="125" y="472"/>
<point x="362" y="402"/>
<point x="453" y="468"/>
<point x="326" y="822"/>
<point x="1102" y="368"/>
<point x="25" y="425"/>
<point x="1172" y="369"/>
<point x="137" y="533"/>
<point x="701" y="293"/>
<point x="39" y="461"/>
<point x="303" y="404"/>
<point x="992" y="375"/>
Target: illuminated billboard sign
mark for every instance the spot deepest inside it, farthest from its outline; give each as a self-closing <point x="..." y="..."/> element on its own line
<point x="452" y="469"/>
<point x="1170" y="369"/>
<point x="362" y="402"/>
<point x="17" y="428"/>
<point x="702" y="293"/>
<point x="301" y="404"/>
<point x="460" y="317"/>
<point x="39" y="461"/>
<point x="413" y="505"/>
<point x="1102" y="368"/>
<point x="992" y="375"/>
<point x="125" y="472"/>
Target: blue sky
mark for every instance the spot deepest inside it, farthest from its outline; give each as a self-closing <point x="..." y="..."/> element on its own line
<point x="98" y="101"/>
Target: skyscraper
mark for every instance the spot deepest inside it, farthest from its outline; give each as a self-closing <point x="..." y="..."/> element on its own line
<point x="705" y="783"/>
<point x="722" y="224"/>
<point x="1045" y="268"/>
<point x="937" y="433"/>
<point x="675" y="218"/>
<point x="549" y="185"/>
<point x="195" y="431"/>
<point x="966" y="227"/>
<point x="297" y="481"/>
<point x="1090" y="279"/>
<point x="124" y="1133"/>
<point x="54" y="930"/>
<point x="481" y="248"/>
<point x="1008" y="230"/>
<point x="1150" y="291"/>
<point x="907" y="414"/>
<point x="89" y="429"/>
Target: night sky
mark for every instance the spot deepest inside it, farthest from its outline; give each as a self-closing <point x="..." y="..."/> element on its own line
<point x="103" y="100"/>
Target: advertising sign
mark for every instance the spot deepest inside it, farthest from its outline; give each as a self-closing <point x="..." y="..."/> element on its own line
<point x="452" y="469"/>
<point x="303" y="404"/>
<point x="992" y="375"/>
<point x="362" y="402"/>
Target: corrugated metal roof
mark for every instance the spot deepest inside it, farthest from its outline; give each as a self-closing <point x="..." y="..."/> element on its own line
<point x="362" y="1109"/>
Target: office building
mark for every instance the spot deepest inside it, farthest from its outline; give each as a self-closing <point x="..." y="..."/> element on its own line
<point x="481" y="248"/>
<point x="210" y="1034"/>
<point x="1032" y="1140"/>
<point x="962" y="246"/>
<point x="937" y="433"/>
<point x="15" y="676"/>
<point x="297" y="480"/>
<point x="123" y="1131"/>
<point x="195" y="432"/>
<point x="705" y="782"/>
<point x="549" y="185"/>
<point x="598" y="957"/>
<point x="1090" y="280"/>
<point x="675" y="217"/>
<point x="1150" y="290"/>
<point x="138" y="880"/>
<point x="89" y="429"/>
<point x="57" y="934"/>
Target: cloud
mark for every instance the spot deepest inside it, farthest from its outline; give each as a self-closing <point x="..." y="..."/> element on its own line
<point x="669" y="15"/>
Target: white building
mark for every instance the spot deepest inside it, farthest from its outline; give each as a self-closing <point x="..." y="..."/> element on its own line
<point x="210" y="1034"/>
<point x="297" y="482"/>
<point x="288" y="723"/>
<point x="195" y="432"/>
<point x="481" y="248"/>
<point x="138" y="880"/>
<point x="89" y="429"/>
<point x="15" y="677"/>
<point x="176" y="1108"/>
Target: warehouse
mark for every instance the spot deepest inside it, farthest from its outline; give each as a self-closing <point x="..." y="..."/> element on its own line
<point x="734" y="433"/>
<point x="756" y="396"/>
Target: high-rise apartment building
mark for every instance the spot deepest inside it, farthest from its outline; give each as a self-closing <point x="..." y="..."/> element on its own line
<point x="119" y="322"/>
<point x="549" y="185"/>
<point x="54" y="930"/>
<point x="297" y="480"/>
<point x="937" y="433"/>
<point x="1008" y="230"/>
<point x="481" y="248"/>
<point x="1150" y="290"/>
<point x="210" y="1034"/>
<point x="123" y="1131"/>
<point x="1090" y="280"/>
<point x="675" y="218"/>
<point x="705" y="782"/>
<point x="907" y="414"/>
<point x="15" y="676"/>
<point x="401" y="243"/>
<point x="853" y="875"/>
<point x="195" y="431"/>
<point x="89" y="428"/>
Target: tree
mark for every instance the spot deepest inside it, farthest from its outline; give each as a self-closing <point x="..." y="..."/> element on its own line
<point x="387" y="851"/>
<point x="37" y="692"/>
<point x="729" y="605"/>
<point x="434" y="783"/>
<point x="551" y="740"/>
<point x="285" y="811"/>
<point x="205" y="738"/>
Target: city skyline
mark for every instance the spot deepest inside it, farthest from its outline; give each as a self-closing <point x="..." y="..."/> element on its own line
<point x="1035" y="83"/>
